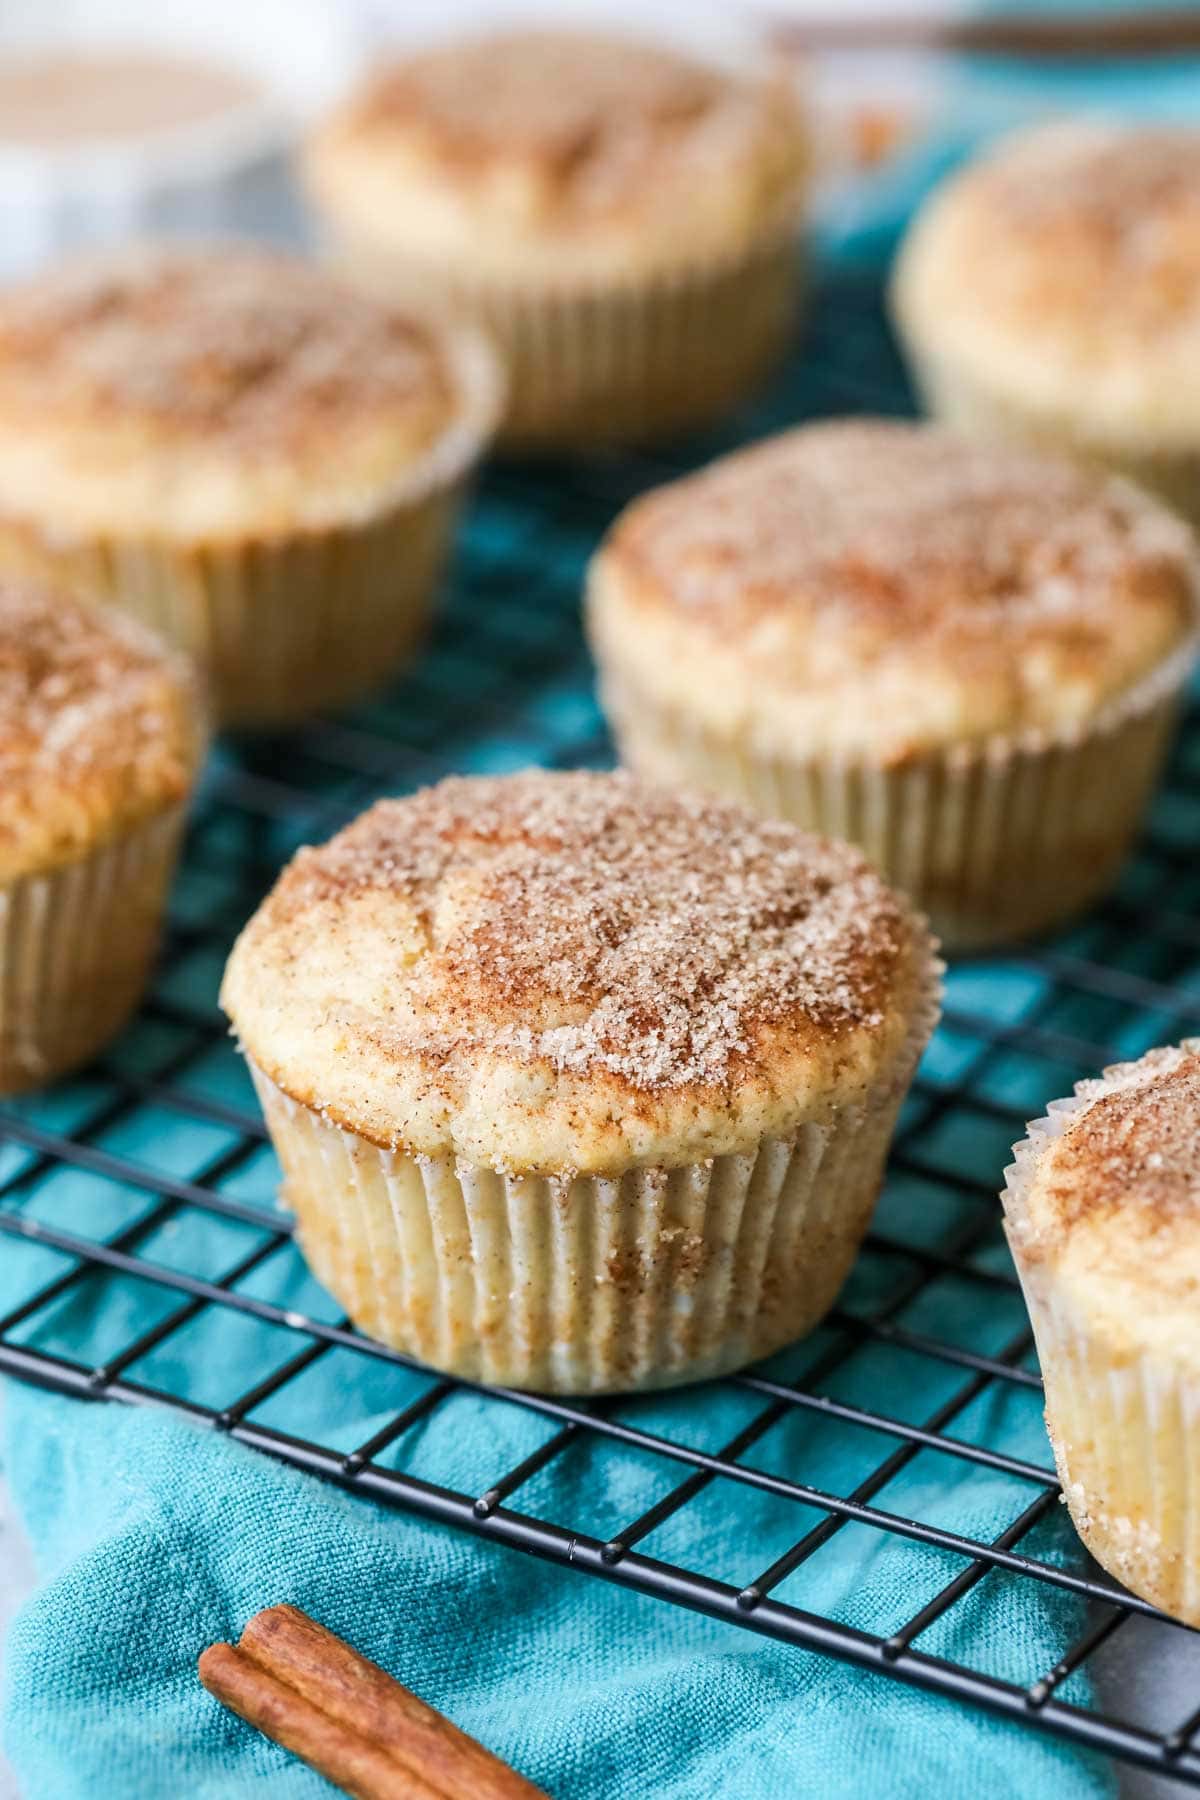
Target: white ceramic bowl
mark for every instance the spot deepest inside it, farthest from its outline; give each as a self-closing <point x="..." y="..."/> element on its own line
<point x="222" y="173"/>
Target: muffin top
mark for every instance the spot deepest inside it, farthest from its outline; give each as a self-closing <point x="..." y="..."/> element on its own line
<point x="562" y="973"/>
<point x="877" y="587"/>
<point x="551" y="152"/>
<point x="217" y="392"/>
<point x="1082" y="243"/>
<point x="1106" y="1195"/>
<point x="100" y="727"/>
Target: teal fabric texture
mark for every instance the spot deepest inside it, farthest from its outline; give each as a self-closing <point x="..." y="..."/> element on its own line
<point x="155" y="1539"/>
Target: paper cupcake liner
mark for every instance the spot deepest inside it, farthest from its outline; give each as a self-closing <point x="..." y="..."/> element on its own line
<point x="968" y="406"/>
<point x="628" y="362"/>
<point x="76" y="947"/>
<point x="994" y="841"/>
<point x="1125" y="1429"/>
<point x="589" y="1284"/>
<point x="286" y="626"/>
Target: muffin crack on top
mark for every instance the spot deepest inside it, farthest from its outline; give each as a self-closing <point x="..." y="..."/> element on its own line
<point x="629" y="936"/>
<point x="580" y="943"/>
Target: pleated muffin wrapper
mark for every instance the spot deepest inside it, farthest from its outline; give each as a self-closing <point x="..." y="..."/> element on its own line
<point x="994" y="841"/>
<point x="1124" y="1427"/>
<point x="310" y="619"/>
<point x="593" y="1284"/>
<point x="76" y="946"/>
<point x="596" y="363"/>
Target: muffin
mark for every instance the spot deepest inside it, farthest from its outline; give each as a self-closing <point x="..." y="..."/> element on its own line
<point x="255" y="460"/>
<point x="101" y="734"/>
<point x="965" y="658"/>
<point x="1101" y="1216"/>
<point x="1079" y="325"/>
<point x="621" y="217"/>
<point x="578" y="1085"/>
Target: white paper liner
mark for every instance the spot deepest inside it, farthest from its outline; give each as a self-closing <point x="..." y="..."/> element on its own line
<point x="993" y="841"/>
<point x="76" y="946"/>
<point x="629" y="361"/>
<point x="1125" y="1429"/>
<point x="592" y="1284"/>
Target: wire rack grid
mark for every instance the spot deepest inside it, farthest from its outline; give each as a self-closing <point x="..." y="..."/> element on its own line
<point x="137" y="1202"/>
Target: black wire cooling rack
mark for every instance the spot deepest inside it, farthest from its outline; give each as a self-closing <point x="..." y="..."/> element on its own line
<point x="506" y="683"/>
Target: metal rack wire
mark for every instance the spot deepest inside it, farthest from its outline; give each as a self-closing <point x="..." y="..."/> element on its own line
<point x="100" y="1179"/>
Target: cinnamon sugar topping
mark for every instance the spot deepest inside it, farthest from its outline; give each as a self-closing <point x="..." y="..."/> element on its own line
<point x="97" y="723"/>
<point x="236" y="343"/>
<point x="1136" y="1149"/>
<point x="904" y="535"/>
<point x="592" y="925"/>
<point x="587" y="119"/>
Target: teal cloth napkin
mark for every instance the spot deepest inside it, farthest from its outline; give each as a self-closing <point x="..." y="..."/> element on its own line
<point x="155" y="1537"/>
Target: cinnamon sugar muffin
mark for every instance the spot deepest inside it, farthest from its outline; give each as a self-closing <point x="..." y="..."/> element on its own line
<point x="622" y="218"/>
<point x="962" y="657"/>
<point x="254" y="459"/>
<point x="1079" y="326"/>
<point x="1101" y="1209"/>
<point x="577" y="1085"/>
<point x="101" y="734"/>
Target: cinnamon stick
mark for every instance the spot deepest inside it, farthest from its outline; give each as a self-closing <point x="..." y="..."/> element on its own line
<point x="1136" y="32"/>
<point x="305" y="1689"/>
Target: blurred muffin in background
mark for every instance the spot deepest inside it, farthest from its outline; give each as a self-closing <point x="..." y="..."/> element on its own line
<point x="964" y="657"/>
<point x="1050" y="294"/>
<point x="255" y="460"/>
<point x="621" y="217"/>
<point x="101" y="735"/>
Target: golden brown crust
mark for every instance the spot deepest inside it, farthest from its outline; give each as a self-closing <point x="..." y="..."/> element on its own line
<point x="245" y="345"/>
<point x="591" y="114"/>
<point x="630" y="961"/>
<point x="1083" y="299"/>
<point x="606" y="926"/>
<point x="1091" y="228"/>
<point x="1131" y="1149"/>
<point x="566" y="137"/>
<point x="99" y="728"/>
<point x="1103" y="1202"/>
<point x="214" y="391"/>
<point x="970" y="589"/>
